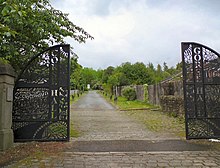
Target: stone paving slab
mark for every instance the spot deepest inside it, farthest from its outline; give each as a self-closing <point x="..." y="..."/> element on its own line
<point x="198" y="159"/>
<point x="109" y="125"/>
<point x="98" y="120"/>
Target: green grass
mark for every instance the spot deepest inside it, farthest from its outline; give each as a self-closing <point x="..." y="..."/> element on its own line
<point x="160" y="122"/>
<point x="73" y="131"/>
<point x="123" y="104"/>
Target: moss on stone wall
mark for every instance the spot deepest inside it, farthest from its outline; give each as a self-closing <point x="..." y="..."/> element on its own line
<point x="172" y="104"/>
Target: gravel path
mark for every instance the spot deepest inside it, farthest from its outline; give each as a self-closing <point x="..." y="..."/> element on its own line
<point x="98" y="120"/>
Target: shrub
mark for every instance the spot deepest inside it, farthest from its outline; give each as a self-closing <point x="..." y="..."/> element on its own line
<point x="129" y="93"/>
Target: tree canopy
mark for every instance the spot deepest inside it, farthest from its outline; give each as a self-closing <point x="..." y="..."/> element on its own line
<point x="125" y="74"/>
<point x="29" y="26"/>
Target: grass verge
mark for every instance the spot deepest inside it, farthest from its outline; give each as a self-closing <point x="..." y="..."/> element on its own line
<point x="151" y="116"/>
<point x="158" y="121"/>
<point x="123" y="104"/>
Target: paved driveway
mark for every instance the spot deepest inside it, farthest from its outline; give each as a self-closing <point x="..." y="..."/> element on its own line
<point x="110" y="138"/>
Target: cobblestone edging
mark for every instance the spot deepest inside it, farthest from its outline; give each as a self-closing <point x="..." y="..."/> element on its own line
<point x="129" y="160"/>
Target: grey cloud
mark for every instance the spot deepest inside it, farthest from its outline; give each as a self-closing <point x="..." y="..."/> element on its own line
<point x="155" y="36"/>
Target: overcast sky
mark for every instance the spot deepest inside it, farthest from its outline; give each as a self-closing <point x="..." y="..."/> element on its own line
<point x="141" y="30"/>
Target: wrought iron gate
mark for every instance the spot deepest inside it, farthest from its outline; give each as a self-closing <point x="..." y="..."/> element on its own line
<point x="201" y="79"/>
<point x="41" y="97"/>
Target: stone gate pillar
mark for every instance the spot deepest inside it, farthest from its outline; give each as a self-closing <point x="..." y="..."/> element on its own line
<point x="7" y="77"/>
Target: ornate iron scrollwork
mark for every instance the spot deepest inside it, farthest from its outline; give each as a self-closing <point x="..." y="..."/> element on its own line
<point x="41" y="97"/>
<point x="201" y="77"/>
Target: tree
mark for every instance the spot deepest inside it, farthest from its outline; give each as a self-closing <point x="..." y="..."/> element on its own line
<point x="122" y="79"/>
<point x="128" y="74"/>
<point x="76" y="80"/>
<point x="159" y="69"/>
<point x="140" y="74"/>
<point x="89" y="76"/>
<point x="179" y="66"/>
<point x="125" y="74"/>
<point x="107" y="73"/>
<point x="165" y="67"/>
<point x="126" y="68"/>
<point x="28" y="27"/>
<point x="112" y="81"/>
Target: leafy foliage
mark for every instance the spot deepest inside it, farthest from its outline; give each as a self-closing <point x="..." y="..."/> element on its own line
<point x="29" y="26"/>
<point x="107" y="73"/>
<point x="137" y="74"/>
<point x="75" y="74"/>
<point x="124" y="75"/>
<point x="129" y="93"/>
<point x="81" y="76"/>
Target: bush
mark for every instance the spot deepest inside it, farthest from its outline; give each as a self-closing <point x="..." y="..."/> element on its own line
<point x="129" y="93"/>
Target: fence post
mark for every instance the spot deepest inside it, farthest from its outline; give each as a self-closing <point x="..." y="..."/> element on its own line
<point x="7" y="77"/>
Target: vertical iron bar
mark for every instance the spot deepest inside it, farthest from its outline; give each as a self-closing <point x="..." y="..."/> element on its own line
<point x="49" y="87"/>
<point x="194" y="82"/>
<point x="68" y="99"/>
<point x="203" y="83"/>
<point x="58" y="86"/>
<point x="184" y="88"/>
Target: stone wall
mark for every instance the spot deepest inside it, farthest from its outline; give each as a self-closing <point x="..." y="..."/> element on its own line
<point x="174" y="88"/>
<point x="168" y="95"/>
<point x="172" y="104"/>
